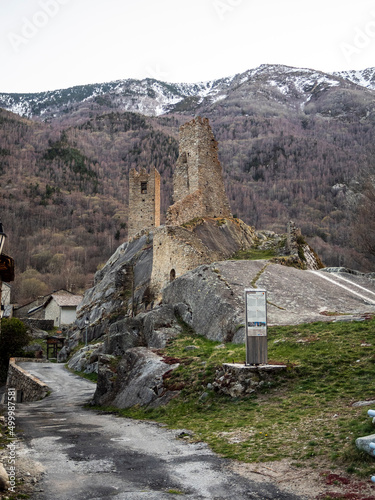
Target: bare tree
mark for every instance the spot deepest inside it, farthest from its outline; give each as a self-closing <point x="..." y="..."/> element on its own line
<point x="365" y="220"/>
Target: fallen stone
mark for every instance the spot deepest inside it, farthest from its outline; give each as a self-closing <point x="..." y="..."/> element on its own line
<point x="363" y="444"/>
<point x="106" y="359"/>
<point x="203" y="396"/>
<point x="363" y="403"/>
<point x="191" y="348"/>
<point x="63" y="354"/>
<point x="159" y="326"/>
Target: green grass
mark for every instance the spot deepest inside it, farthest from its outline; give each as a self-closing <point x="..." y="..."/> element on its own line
<point x="306" y="415"/>
<point x="254" y="254"/>
<point x="88" y="376"/>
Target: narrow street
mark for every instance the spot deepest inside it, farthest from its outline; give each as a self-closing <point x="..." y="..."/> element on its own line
<point x="89" y="456"/>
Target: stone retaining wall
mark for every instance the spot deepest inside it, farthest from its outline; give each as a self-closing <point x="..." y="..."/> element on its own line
<point x="237" y="380"/>
<point x="28" y="387"/>
<point x="42" y="324"/>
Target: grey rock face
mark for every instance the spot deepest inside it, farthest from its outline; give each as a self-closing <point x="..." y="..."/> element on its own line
<point x="128" y="269"/>
<point x="86" y="359"/>
<point x="63" y="354"/>
<point x="211" y="298"/>
<point x="123" y="335"/>
<point x="159" y="326"/>
<point x="137" y="380"/>
<point x="206" y="302"/>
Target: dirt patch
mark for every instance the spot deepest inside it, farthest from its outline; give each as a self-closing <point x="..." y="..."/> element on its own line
<point x="28" y="473"/>
<point x="311" y="483"/>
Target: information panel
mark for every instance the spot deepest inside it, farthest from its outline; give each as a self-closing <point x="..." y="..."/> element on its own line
<point x="256" y="326"/>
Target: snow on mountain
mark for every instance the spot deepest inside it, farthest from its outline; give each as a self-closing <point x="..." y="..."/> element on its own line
<point x="154" y="98"/>
<point x="364" y="78"/>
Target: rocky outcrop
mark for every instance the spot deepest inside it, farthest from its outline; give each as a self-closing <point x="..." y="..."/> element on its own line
<point x="118" y="287"/>
<point x="211" y="298"/>
<point x="86" y="359"/>
<point x="133" y="278"/>
<point x="135" y="379"/>
<point x="152" y="329"/>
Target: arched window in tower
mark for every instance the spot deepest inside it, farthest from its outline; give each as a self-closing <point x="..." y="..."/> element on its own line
<point x="172" y="275"/>
<point x="143" y="187"/>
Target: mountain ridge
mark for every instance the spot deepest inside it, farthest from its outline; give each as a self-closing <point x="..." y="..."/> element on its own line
<point x="154" y="97"/>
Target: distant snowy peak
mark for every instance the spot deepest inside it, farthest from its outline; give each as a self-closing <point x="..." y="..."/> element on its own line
<point x="291" y="81"/>
<point x="154" y="98"/>
<point x="364" y="78"/>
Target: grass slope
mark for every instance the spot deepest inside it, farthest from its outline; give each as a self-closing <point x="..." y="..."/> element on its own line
<point x="306" y="415"/>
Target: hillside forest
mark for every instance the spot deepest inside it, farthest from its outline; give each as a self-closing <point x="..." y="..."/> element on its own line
<point x="64" y="182"/>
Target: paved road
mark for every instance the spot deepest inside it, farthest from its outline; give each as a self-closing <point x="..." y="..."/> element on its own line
<point x="90" y="456"/>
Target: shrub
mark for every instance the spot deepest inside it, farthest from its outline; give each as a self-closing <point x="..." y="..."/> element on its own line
<point x="13" y="338"/>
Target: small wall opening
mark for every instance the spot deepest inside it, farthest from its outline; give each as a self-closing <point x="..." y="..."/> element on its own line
<point x="172" y="275"/>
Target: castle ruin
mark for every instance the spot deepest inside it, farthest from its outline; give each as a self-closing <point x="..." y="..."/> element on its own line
<point x="144" y="200"/>
<point x="198" y="186"/>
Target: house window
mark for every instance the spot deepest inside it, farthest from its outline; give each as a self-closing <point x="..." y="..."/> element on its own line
<point x="143" y="187"/>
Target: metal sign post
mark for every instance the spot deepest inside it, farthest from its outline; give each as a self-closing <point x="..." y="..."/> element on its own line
<point x="256" y="326"/>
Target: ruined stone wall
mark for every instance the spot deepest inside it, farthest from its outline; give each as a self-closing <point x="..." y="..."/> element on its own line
<point x="198" y="186"/>
<point x="41" y="324"/>
<point x="144" y="200"/>
<point x="186" y="209"/>
<point x="176" y="251"/>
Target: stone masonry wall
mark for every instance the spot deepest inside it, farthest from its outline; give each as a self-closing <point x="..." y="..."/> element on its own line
<point x="42" y="324"/>
<point x="238" y="380"/>
<point x="176" y="251"/>
<point x="198" y="178"/>
<point x="29" y="388"/>
<point x="144" y="200"/>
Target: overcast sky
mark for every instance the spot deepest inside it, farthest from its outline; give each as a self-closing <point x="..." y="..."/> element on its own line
<point x="53" y="44"/>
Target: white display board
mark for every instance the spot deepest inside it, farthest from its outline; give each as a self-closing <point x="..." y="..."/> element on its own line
<point x="256" y="312"/>
<point x="256" y="326"/>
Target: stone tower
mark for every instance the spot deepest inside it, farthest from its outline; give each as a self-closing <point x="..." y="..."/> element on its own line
<point x="198" y="186"/>
<point x="144" y="200"/>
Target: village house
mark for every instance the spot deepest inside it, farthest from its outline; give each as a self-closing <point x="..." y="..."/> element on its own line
<point x="59" y="306"/>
